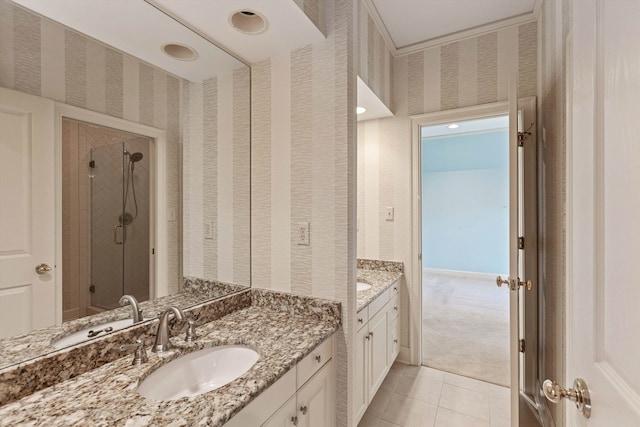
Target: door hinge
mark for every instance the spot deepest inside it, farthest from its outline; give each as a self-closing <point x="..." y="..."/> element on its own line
<point x="521" y="346"/>
<point x="92" y="289"/>
<point x="520" y="242"/>
<point x="522" y="136"/>
<point x="92" y="164"/>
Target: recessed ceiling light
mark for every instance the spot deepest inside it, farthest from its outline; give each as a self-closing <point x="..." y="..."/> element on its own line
<point x="360" y="110"/>
<point x="248" y="21"/>
<point x="453" y="126"/>
<point x="179" y="51"/>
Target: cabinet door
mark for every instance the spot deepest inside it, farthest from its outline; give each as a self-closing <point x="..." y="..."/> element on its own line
<point x="394" y="340"/>
<point x="361" y="375"/>
<point x="317" y="399"/>
<point x="379" y="333"/>
<point x="285" y="416"/>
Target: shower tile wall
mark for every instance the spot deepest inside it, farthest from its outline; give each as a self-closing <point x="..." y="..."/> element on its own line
<point x="78" y="141"/>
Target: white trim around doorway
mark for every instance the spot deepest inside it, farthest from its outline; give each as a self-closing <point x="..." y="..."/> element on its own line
<point x="158" y="268"/>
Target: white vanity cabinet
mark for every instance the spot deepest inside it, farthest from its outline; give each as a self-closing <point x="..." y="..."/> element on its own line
<point x="305" y="396"/>
<point x="312" y="406"/>
<point x="377" y="346"/>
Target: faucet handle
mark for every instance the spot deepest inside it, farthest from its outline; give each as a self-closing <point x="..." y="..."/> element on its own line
<point x="139" y="355"/>
<point x="190" y="335"/>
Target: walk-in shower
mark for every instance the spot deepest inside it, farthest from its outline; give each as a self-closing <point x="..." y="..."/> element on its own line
<point x="120" y="222"/>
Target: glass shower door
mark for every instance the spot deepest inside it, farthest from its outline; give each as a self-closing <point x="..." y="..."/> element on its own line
<point x="107" y="234"/>
<point x="120" y="222"/>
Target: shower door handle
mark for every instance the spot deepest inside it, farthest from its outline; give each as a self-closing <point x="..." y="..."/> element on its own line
<point x="115" y="234"/>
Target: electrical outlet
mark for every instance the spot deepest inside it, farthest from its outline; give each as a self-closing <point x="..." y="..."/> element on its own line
<point x="208" y="230"/>
<point x="388" y="213"/>
<point x="303" y="236"/>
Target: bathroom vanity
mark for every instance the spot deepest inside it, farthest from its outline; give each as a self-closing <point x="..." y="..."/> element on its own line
<point x="294" y="375"/>
<point x="378" y="331"/>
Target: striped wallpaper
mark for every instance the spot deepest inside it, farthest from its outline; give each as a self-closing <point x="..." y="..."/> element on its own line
<point x="375" y="65"/>
<point x="468" y="72"/>
<point x="42" y="58"/>
<point x="303" y="166"/>
<point x="314" y="11"/>
<point x="216" y="178"/>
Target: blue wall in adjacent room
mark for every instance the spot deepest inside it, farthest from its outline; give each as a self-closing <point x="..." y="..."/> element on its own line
<point x="465" y="202"/>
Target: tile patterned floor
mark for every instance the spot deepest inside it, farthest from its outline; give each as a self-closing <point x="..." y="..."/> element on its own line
<point x="418" y="396"/>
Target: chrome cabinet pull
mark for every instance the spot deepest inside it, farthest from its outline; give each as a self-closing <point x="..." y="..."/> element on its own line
<point x="319" y="358"/>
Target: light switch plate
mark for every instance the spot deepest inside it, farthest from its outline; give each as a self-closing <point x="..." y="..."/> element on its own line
<point x="388" y="213"/>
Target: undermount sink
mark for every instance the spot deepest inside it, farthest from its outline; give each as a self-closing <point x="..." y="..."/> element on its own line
<point x="363" y="286"/>
<point x="92" y="332"/>
<point x="198" y="372"/>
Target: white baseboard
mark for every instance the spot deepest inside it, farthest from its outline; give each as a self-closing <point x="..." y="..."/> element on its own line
<point x="404" y="356"/>
<point x="464" y="274"/>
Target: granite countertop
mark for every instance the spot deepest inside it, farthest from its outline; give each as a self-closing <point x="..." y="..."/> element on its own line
<point x="39" y="342"/>
<point x="379" y="280"/>
<point x="107" y="396"/>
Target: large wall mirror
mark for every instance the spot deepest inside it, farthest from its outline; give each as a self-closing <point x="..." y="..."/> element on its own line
<point x="150" y="172"/>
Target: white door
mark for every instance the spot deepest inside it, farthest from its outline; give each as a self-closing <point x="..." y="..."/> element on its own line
<point x="603" y="211"/>
<point x="27" y="299"/>
<point x="316" y="399"/>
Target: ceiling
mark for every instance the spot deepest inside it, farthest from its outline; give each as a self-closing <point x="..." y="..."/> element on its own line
<point x="141" y="28"/>
<point x="411" y="22"/>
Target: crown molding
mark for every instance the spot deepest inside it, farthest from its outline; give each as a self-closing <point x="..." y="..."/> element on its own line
<point x="377" y="20"/>
<point x="467" y="34"/>
<point x="449" y="38"/>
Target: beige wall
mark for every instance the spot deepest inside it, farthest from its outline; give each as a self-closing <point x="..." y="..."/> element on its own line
<point x="43" y="58"/>
<point x="555" y="25"/>
<point x="303" y="166"/>
<point x="469" y="72"/>
<point x="216" y="178"/>
<point x="375" y="65"/>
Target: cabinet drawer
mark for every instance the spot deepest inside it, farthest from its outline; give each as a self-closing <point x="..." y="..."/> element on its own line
<point x="362" y="318"/>
<point x="394" y="307"/>
<point x="395" y="288"/>
<point x="378" y="303"/>
<point x="314" y="361"/>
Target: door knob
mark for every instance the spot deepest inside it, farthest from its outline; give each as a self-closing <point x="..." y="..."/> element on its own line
<point x="579" y="394"/>
<point x="500" y="281"/>
<point x="513" y="284"/>
<point x="42" y="268"/>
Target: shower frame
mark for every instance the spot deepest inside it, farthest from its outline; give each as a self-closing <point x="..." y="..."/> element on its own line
<point x="160" y="214"/>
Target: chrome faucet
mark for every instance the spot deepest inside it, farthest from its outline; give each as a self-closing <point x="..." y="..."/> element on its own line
<point x="137" y="311"/>
<point x="162" y="334"/>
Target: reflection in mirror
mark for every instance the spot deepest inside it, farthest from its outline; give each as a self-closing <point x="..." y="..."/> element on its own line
<point x="122" y="194"/>
<point x="106" y="218"/>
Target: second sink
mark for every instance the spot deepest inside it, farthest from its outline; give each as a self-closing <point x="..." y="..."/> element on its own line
<point x="198" y="372"/>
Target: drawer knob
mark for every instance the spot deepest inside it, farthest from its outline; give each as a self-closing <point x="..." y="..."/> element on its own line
<point x="395" y="308"/>
<point x="370" y="334"/>
<point x="395" y="341"/>
<point x="319" y="358"/>
<point x="294" y="421"/>
<point x="360" y="319"/>
<point x="395" y="288"/>
<point x="303" y="409"/>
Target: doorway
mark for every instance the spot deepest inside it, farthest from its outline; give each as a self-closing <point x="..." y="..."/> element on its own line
<point x="465" y="245"/>
<point x="107" y="216"/>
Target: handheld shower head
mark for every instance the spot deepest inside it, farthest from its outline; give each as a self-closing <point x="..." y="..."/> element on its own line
<point x="134" y="157"/>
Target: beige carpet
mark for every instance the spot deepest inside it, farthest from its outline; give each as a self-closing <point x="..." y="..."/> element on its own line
<point x="466" y="327"/>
